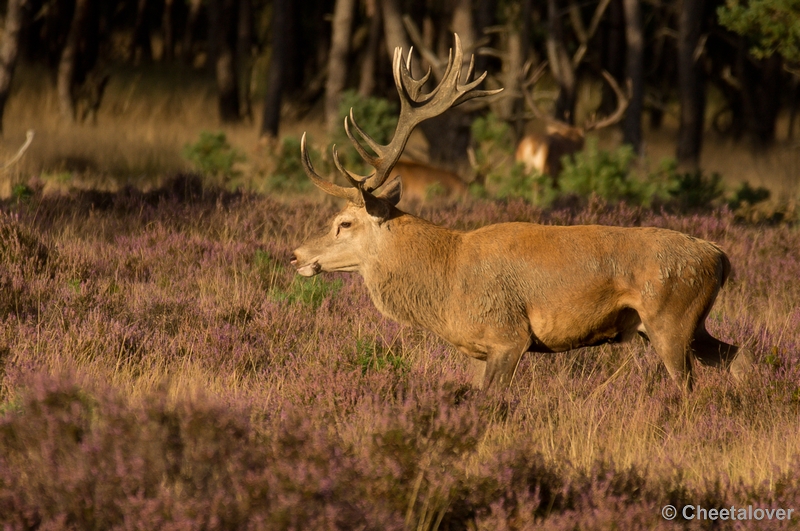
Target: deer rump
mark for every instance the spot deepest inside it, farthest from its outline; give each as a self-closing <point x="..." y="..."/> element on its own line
<point x="552" y="288"/>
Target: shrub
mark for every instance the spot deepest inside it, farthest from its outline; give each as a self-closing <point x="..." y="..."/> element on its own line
<point x="694" y="190"/>
<point x="534" y="187"/>
<point x="213" y="156"/>
<point x="289" y="175"/>
<point x="492" y="158"/>
<point x="605" y="174"/>
<point x="492" y="131"/>
<point x="747" y="195"/>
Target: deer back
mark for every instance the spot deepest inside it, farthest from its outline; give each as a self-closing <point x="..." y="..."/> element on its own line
<point x="422" y="183"/>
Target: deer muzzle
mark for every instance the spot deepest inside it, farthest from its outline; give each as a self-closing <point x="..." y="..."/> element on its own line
<point x="306" y="268"/>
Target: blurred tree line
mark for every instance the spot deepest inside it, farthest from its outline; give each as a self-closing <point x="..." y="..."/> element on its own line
<point x="667" y="52"/>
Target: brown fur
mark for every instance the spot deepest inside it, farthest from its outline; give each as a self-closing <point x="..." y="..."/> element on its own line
<point x="505" y="289"/>
<point x="423" y="183"/>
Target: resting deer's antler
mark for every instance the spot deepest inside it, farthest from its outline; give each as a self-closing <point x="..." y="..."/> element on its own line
<point x="623" y="100"/>
<point x="415" y="108"/>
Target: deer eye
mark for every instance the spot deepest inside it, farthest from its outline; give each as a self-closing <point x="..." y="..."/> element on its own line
<point x="344" y="225"/>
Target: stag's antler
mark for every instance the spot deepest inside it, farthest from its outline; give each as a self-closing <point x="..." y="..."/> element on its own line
<point x="529" y="81"/>
<point x="622" y="104"/>
<point x="527" y="84"/>
<point x="415" y="108"/>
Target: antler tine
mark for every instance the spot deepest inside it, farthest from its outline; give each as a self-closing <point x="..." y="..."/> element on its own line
<point x="376" y="147"/>
<point x="471" y="68"/>
<point x="415" y="107"/>
<point x="351" y="194"/>
<point x="357" y="181"/>
<point x="414" y="86"/>
<point x="528" y="84"/>
<point x="622" y="106"/>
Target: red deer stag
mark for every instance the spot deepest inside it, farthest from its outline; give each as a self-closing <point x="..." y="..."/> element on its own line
<point x="544" y="152"/>
<point x="510" y="288"/>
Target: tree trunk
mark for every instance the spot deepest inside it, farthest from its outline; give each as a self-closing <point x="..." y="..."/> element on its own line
<point x="463" y="25"/>
<point x="632" y="125"/>
<point x="276" y="75"/>
<point x="337" y="61"/>
<point x="526" y="16"/>
<point x="560" y="65"/>
<point x="691" y="86"/>
<point x="227" y="81"/>
<point x="168" y="30"/>
<point x="69" y="61"/>
<point x="761" y="98"/>
<point x="393" y="28"/>
<point x="140" y="42"/>
<point x="613" y="43"/>
<point x="484" y="18"/>
<point x="449" y="135"/>
<point x="9" y="50"/>
<point x="244" y="53"/>
<point x="188" y="37"/>
<point x="366" y="84"/>
<point x="214" y="29"/>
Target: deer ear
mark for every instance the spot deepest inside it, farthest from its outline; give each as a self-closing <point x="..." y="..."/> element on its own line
<point x="392" y="191"/>
<point x="375" y="206"/>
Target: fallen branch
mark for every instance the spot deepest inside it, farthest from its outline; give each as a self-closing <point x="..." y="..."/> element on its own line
<point x="21" y="151"/>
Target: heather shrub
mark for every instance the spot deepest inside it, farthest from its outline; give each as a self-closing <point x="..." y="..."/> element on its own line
<point x="152" y="465"/>
<point x="23" y="257"/>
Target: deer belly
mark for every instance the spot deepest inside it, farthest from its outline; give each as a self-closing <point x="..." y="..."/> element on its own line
<point x="566" y="330"/>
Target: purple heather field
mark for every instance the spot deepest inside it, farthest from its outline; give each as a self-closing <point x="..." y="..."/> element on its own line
<point x="162" y="367"/>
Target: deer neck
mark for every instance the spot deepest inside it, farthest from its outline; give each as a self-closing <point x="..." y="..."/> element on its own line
<point x="407" y="278"/>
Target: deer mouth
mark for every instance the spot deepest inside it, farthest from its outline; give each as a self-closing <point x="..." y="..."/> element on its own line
<point x="308" y="269"/>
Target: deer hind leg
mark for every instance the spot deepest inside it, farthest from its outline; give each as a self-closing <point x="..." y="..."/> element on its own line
<point x="672" y="346"/>
<point x="715" y="353"/>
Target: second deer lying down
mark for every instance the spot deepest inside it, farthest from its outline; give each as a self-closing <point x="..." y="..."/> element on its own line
<point x="510" y="288"/>
<point x="423" y="183"/>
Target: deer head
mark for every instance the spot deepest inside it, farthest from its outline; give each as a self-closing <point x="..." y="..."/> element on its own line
<point x="354" y="234"/>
